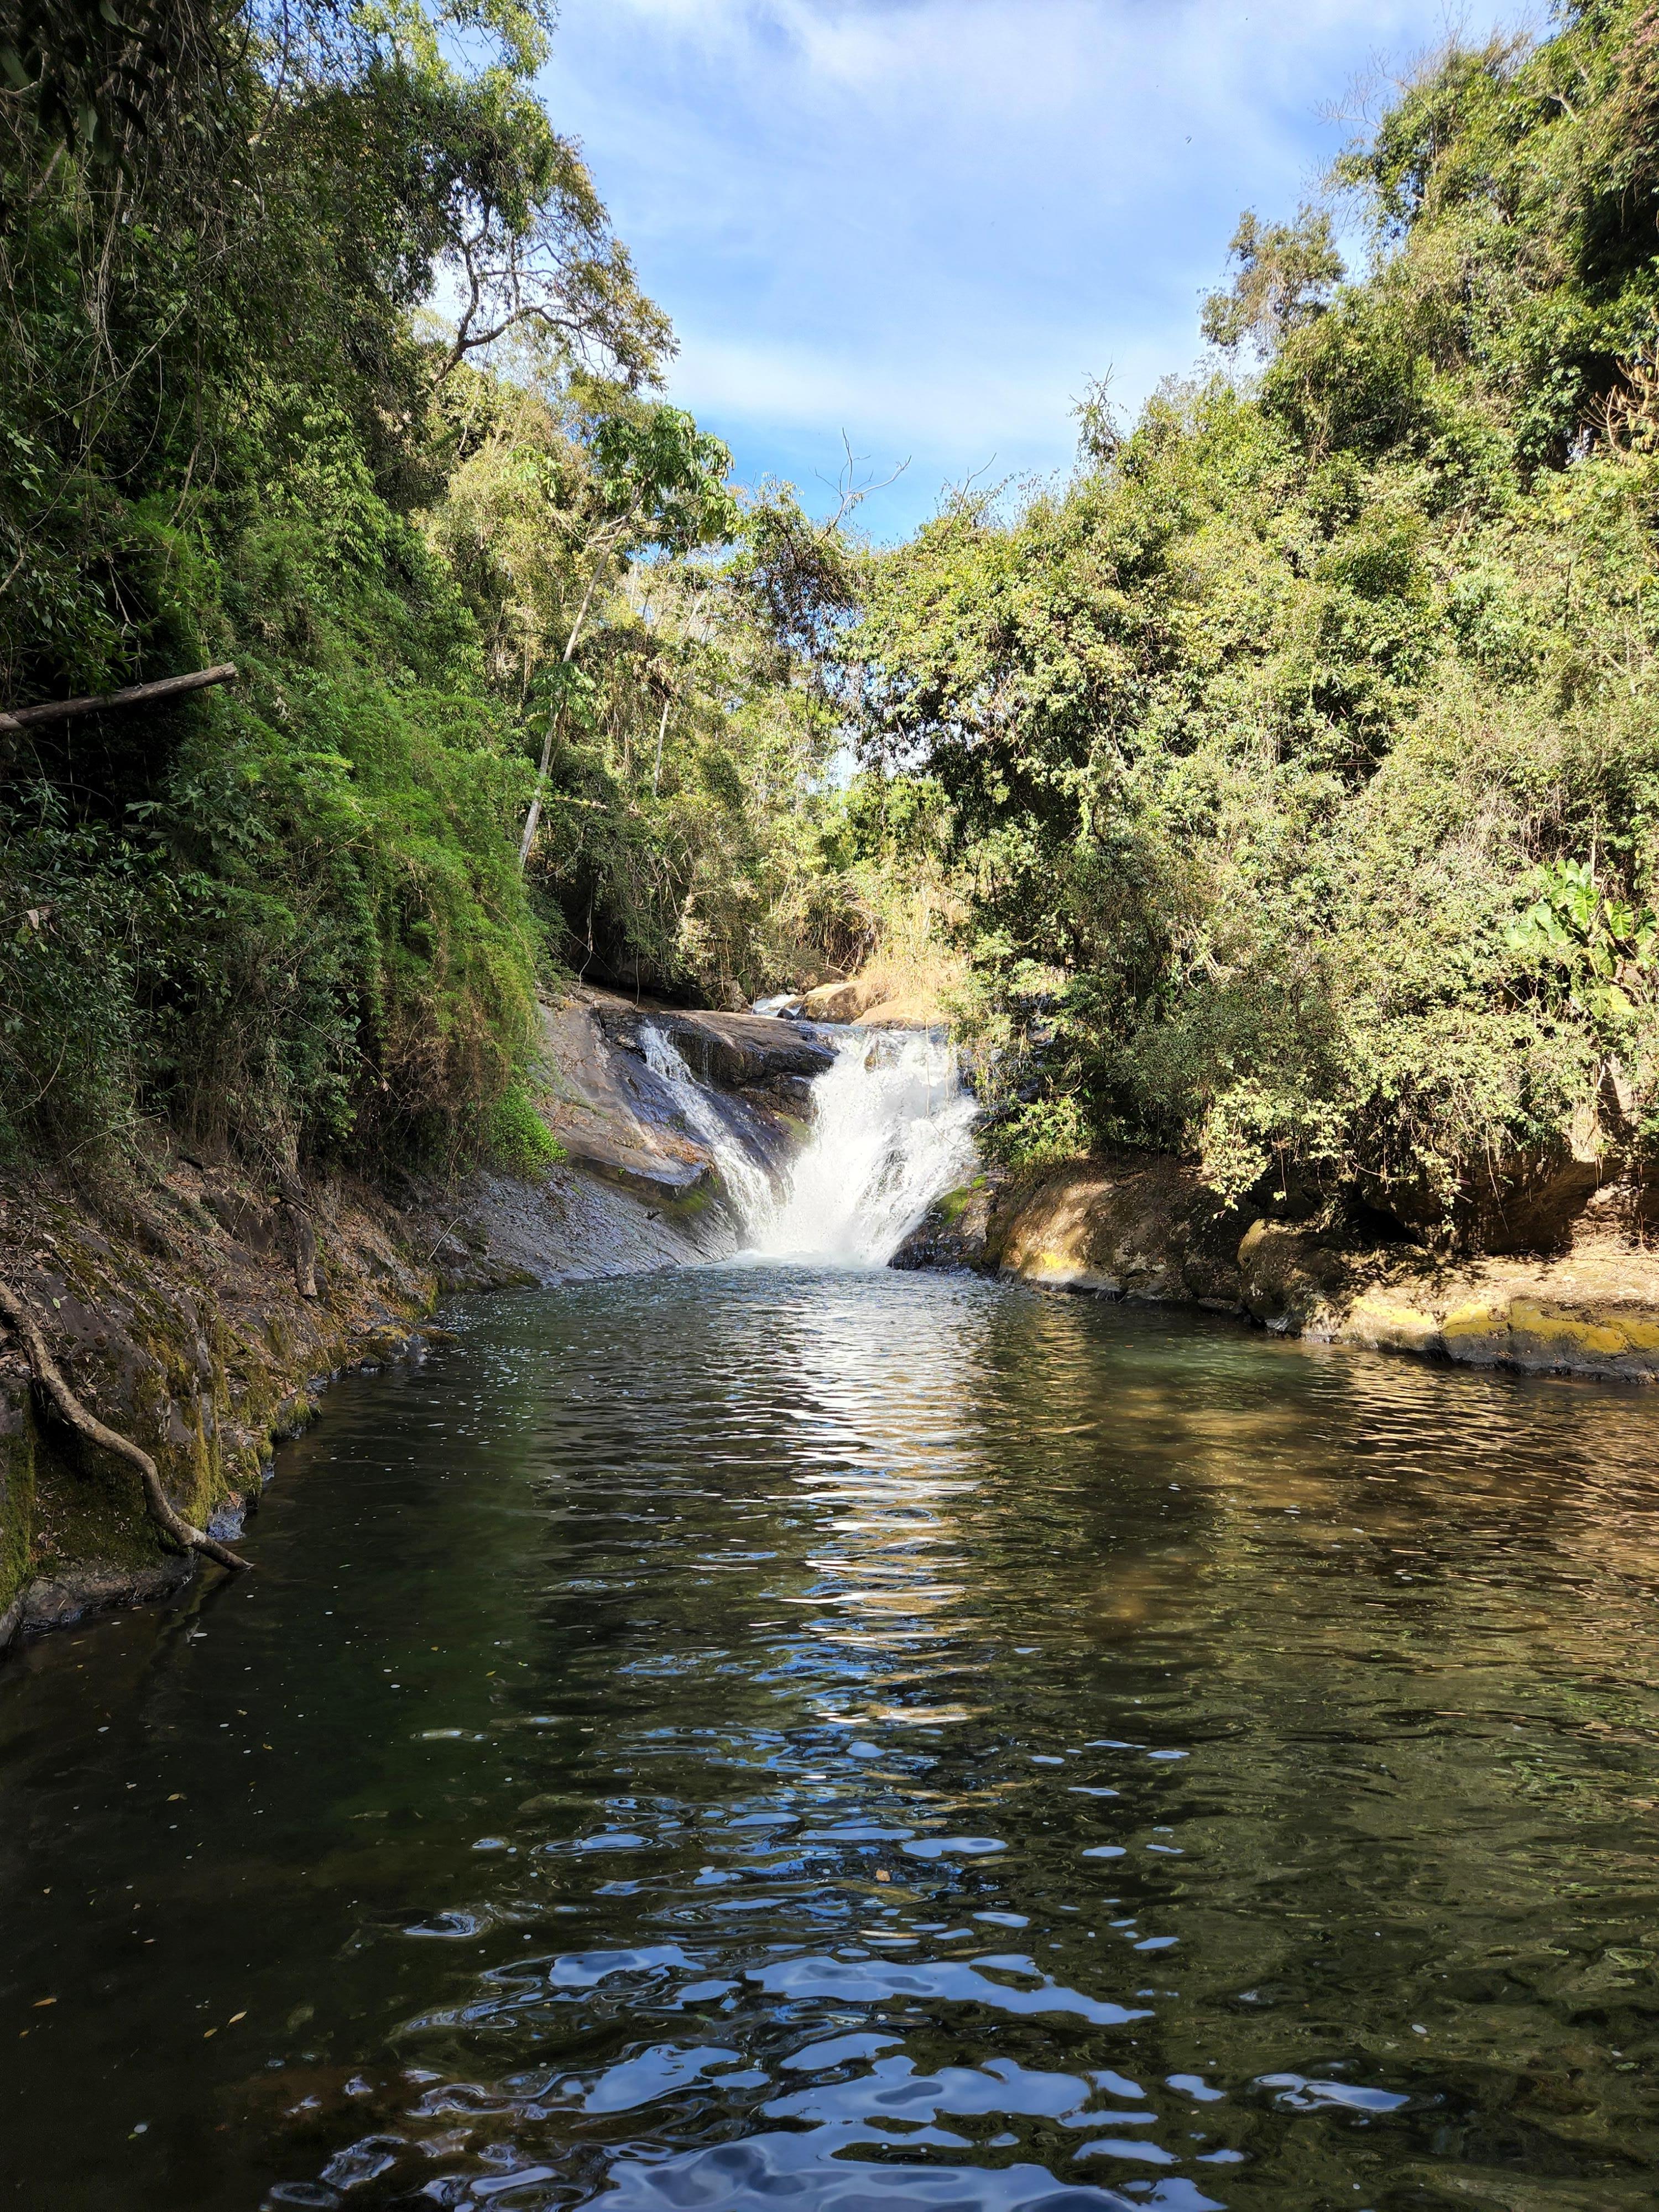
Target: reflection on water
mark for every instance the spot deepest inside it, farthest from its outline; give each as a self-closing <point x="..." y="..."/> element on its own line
<point x="763" y="1739"/>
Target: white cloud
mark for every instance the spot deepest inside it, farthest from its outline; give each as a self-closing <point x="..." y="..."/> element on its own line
<point x="926" y="222"/>
<point x="982" y="404"/>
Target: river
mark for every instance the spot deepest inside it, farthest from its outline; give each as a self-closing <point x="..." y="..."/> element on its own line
<point x="785" y="1736"/>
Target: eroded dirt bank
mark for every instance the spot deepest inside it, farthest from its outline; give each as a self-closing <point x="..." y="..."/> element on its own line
<point x="1141" y="1225"/>
<point x="201" y="1307"/>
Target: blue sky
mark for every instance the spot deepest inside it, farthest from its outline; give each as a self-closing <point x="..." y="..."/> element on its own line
<point x="926" y="223"/>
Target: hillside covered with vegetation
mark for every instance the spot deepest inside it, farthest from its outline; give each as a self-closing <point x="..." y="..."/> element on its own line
<point x="317" y="355"/>
<point x="1283" y="784"/>
<point x="1302" y="752"/>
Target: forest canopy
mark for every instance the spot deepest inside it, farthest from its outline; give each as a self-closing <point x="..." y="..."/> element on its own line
<point x="1282" y="784"/>
<point x="319" y="354"/>
<point x="1301" y="752"/>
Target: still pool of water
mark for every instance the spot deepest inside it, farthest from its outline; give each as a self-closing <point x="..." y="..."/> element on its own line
<point x="774" y="1739"/>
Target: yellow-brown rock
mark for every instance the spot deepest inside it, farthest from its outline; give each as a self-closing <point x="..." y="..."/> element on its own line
<point x="839" y="1002"/>
<point x="1141" y="1225"/>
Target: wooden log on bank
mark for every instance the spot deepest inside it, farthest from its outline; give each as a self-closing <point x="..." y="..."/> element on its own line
<point x="136" y="694"/>
<point x="159" y="1507"/>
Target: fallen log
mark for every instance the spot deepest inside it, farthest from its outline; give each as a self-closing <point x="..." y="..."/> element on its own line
<point x="136" y="694"/>
<point x="161" y="1508"/>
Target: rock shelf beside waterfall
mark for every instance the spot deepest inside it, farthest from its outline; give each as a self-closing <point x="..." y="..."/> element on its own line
<point x="1142" y="1226"/>
<point x="617" y="1114"/>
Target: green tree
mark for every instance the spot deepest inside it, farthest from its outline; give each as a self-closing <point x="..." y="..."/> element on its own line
<point x="655" y="481"/>
<point x="1287" y="273"/>
<point x="292" y="909"/>
<point x="1301" y="753"/>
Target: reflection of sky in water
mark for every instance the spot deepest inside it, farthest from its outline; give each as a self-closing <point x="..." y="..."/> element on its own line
<point x="845" y="1741"/>
<point x="884" y="1452"/>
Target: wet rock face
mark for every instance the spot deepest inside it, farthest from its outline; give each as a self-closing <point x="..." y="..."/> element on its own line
<point x="733" y="1052"/>
<point x="176" y="1310"/>
<point x="611" y="1113"/>
<point x="617" y="1114"/>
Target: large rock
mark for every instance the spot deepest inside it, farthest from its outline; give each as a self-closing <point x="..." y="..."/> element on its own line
<point x="1594" y="1313"/>
<point x="840" y="1002"/>
<point x="1292" y="1281"/>
<point x="872" y="1001"/>
<point x="731" y="1052"/>
<point x="955" y="1230"/>
<point x="611" y="1112"/>
<point x="1128" y="1225"/>
<point x="615" y="1113"/>
<point x="1537" y="1198"/>
<point x="1141" y="1225"/>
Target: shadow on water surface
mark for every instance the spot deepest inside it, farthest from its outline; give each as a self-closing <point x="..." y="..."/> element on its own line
<point x="765" y="1737"/>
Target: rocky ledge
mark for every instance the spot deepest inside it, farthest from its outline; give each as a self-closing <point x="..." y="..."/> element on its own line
<point x="1142" y="1226"/>
<point x="615" y="1108"/>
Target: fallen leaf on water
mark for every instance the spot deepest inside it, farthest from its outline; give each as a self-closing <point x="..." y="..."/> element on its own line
<point x="234" y="2017"/>
<point x="39" y="2002"/>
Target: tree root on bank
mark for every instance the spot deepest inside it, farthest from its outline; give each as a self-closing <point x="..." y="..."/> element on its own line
<point x="171" y="1522"/>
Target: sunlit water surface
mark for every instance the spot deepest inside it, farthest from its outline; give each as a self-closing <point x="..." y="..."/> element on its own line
<point x="769" y="1739"/>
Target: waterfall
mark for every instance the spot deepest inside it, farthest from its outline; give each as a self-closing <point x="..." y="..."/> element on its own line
<point x="892" y="1130"/>
<point x="747" y="1183"/>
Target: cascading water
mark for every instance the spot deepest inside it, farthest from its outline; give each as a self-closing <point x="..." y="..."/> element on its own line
<point x="747" y="1183"/>
<point x="892" y="1130"/>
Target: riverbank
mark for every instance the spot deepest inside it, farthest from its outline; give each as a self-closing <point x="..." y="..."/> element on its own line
<point x="1141" y="1226"/>
<point x="201" y="1309"/>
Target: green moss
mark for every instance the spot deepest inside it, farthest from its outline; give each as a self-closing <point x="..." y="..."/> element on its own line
<point x="17" y="1483"/>
<point x="954" y="1204"/>
<point x="89" y="1509"/>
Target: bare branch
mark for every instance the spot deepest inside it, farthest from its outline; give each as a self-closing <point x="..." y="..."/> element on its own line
<point x="850" y="494"/>
<point x="136" y="694"/>
<point x="159" y="1507"/>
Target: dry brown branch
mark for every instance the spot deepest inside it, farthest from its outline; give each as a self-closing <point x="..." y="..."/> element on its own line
<point x="136" y="694"/>
<point x="161" y="1510"/>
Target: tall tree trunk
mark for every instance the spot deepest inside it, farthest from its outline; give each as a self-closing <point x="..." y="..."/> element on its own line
<point x="533" y="820"/>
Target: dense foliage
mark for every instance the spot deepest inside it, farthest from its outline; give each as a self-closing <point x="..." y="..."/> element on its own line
<point x="1287" y="778"/>
<point x="317" y="353"/>
<point x="1302" y="752"/>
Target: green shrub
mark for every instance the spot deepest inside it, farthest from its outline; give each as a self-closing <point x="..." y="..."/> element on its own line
<point x="514" y="1137"/>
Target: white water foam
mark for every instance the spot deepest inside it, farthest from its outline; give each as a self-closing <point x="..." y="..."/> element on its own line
<point x="747" y="1183"/>
<point x="892" y="1130"/>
